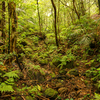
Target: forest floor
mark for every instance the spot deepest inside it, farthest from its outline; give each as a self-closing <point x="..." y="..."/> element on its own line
<point x="73" y="78"/>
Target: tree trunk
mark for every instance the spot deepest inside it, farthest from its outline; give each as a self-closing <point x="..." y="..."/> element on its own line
<point x="82" y="8"/>
<point x="99" y="6"/>
<point x="76" y="10"/>
<point x="3" y="24"/>
<point x="55" y="22"/>
<point x="12" y="29"/>
<point x="39" y="16"/>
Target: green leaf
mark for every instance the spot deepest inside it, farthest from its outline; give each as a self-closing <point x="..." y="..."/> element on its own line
<point x="12" y="74"/>
<point x="97" y="96"/>
<point x="98" y="69"/>
<point x="1" y="63"/>
<point x="66" y="99"/>
<point x="6" y="88"/>
<point x="58" y="97"/>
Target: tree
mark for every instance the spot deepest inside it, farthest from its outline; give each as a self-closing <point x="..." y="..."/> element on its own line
<point x="39" y="16"/>
<point x="99" y="6"/>
<point x="55" y="22"/>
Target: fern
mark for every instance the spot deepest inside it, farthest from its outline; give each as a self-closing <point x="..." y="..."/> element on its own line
<point x="12" y="74"/>
<point x="6" y="88"/>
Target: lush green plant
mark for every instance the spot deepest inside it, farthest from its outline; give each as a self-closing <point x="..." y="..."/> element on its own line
<point x="67" y="58"/>
<point x="7" y="85"/>
<point x="97" y="96"/>
<point x="98" y="57"/>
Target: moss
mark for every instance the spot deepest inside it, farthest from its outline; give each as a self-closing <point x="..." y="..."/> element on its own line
<point x="50" y="93"/>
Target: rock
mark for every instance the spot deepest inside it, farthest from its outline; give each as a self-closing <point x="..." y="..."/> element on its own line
<point x="74" y="72"/>
<point x="50" y="93"/>
<point x="62" y="89"/>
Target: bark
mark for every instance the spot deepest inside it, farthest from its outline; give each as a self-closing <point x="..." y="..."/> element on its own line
<point x="99" y="6"/>
<point x="55" y="22"/>
<point x="9" y="27"/>
<point x="82" y="8"/>
<point x="76" y="10"/>
<point x="12" y="30"/>
<point x="58" y="20"/>
<point x="39" y="16"/>
<point x="3" y="24"/>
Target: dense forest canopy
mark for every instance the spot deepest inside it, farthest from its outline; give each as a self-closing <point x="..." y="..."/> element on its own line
<point x="49" y="49"/>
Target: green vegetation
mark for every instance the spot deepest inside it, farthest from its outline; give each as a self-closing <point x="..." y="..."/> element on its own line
<point x="49" y="50"/>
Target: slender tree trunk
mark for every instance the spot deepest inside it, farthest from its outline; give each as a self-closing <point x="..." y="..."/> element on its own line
<point x="89" y="8"/>
<point x="55" y="22"/>
<point x="99" y="6"/>
<point x="58" y="20"/>
<point x="76" y="10"/>
<point x="9" y="28"/>
<point x="39" y="16"/>
<point x="82" y="8"/>
<point x="3" y="24"/>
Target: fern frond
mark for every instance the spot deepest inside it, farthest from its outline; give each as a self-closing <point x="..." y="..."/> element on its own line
<point x="6" y="88"/>
<point x="12" y="74"/>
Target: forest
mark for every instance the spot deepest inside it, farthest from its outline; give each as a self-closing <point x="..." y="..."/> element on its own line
<point x="49" y="50"/>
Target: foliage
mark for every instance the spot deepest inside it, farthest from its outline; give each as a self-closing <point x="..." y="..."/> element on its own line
<point x="67" y="58"/>
<point x="7" y="85"/>
<point x="97" y="96"/>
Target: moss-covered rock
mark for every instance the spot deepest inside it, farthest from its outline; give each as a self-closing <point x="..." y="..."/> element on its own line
<point x="50" y="93"/>
<point x="74" y="72"/>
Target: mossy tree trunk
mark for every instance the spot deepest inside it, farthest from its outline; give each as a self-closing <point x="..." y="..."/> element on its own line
<point x="3" y="25"/>
<point x="55" y="22"/>
<point x="78" y="15"/>
<point x="39" y="16"/>
<point x="99" y="6"/>
<point x="12" y="27"/>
